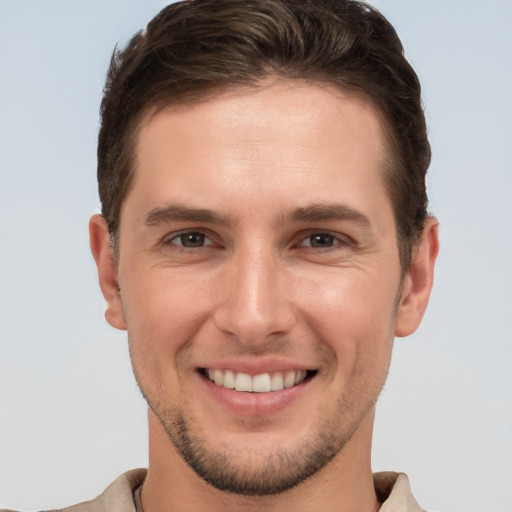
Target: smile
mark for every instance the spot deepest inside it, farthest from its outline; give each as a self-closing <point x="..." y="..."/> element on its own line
<point x="262" y="383"/>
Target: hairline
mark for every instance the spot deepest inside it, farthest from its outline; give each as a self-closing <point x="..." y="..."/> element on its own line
<point x="392" y="157"/>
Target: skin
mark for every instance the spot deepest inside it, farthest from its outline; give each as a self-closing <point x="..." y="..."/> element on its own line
<point x="296" y="266"/>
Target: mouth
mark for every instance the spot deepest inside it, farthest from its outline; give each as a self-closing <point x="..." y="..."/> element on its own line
<point x="261" y="383"/>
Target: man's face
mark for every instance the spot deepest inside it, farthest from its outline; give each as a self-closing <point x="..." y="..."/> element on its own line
<point x="258" y="249"/>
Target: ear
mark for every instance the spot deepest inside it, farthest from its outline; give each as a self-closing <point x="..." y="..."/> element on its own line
<point x="418" y="281"/>
<point x="100" y="248"/>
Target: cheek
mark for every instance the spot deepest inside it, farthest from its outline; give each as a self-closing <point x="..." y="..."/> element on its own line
<point x="353" y="313"/>
<point x="162" y="317"/>
<point x="164" y="305"/>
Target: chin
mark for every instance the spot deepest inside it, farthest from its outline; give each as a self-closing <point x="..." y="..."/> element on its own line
<point x="267" y="469"/>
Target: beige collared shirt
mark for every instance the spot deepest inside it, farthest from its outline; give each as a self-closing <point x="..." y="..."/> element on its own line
<point x="391" y="488"/>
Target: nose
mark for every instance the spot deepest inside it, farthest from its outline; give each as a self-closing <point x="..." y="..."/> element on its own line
<point x="255" y="303"/>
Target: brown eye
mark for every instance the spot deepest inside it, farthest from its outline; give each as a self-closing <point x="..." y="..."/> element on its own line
<point x="320" y="241"/>
<point x="191" y="240"/>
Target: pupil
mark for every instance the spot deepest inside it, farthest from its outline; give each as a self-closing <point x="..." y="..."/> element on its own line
<point x="322" y="240"/>
<point x="192" y="240"/>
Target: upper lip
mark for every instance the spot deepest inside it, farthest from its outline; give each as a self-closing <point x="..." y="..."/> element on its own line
<point x="254" y="366"/>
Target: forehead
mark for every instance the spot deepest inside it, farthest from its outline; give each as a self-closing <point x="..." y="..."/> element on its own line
<point x="288" y="139"/>
<point x="295" y="102"/>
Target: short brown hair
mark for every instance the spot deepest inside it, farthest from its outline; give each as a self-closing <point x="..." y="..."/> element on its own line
<point x="197" y="48"/>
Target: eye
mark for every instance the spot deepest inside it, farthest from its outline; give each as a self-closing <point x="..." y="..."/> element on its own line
<point x="320" y="241"/>
<point x="191" y="240"/>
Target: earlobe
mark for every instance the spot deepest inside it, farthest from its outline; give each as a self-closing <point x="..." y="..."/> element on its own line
<point x="100" y="248"/>
<point x="418" y="281"/>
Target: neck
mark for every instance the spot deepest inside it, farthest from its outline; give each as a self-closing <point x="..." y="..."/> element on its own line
<point x="343" y="485"/>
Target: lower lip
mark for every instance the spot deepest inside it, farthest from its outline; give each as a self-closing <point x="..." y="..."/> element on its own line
<point x="255" y="404"/>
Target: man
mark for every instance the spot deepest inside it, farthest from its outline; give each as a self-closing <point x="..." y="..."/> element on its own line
<point x="263" y="238"/>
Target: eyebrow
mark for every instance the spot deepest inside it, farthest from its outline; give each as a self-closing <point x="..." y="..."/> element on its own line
<point x="326" y="212"/>
<point x="312" y="213"/>
<point x="176" y="212"/>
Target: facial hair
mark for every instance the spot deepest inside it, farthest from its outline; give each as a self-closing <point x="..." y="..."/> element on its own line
<point x="245" y="474"/>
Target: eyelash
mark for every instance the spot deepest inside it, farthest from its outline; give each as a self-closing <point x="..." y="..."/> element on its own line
<point x="205" y="236"/>
<point x="336" y="239"/>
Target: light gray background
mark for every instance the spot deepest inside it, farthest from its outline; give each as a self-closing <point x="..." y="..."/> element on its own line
<point x="71" y="417"/>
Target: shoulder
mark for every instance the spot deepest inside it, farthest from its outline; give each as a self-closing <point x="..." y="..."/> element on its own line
<point x="117" y="497"/>
<point x="394" y="492"/>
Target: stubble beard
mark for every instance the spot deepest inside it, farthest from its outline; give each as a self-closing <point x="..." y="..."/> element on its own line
<point x="228" y="472"/>
<point x="256" y="474"/>
<point x="247" y="474"/>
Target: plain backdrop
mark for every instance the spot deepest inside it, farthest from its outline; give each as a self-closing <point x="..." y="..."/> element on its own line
<point x="71" y="416"/>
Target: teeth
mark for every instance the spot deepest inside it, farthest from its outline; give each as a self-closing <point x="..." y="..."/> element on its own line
<point x="276" y="384"/>
<point x="229" y="379"/>
<point x="299" y="377"/>
<point x="243" y="382"/>
<point x="262" y="383"/>
<point x="289" y="380"/>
